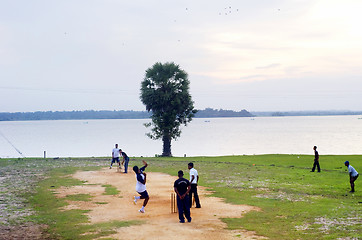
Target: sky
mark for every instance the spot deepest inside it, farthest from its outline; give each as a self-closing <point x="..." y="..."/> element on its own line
<point x="258" y="55"/>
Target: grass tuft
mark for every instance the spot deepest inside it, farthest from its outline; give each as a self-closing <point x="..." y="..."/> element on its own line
<point x="110" y="190"/>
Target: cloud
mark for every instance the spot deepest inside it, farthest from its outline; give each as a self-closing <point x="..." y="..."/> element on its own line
<point x="77" y="49"/>
<point x="273" y="65"/>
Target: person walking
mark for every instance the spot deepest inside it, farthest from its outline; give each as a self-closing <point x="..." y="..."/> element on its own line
<point x="115" y="156"/>
<point x="125" y="160"/>
<point x="182" y="188"/>
<point x="194" y="179"/>
<point x="316" y="160"/>
<point x="353" y="175"/>
<point x="141" y="177"/>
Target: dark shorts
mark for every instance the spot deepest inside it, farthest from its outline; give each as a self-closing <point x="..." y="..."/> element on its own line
<point x="354" y="178"/>
<point x="115" y="160"/>
<point x="143" y="194"/>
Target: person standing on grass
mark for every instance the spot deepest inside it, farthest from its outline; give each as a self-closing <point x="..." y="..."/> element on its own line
<point x="182" y="188"/>
<point x="316" y="160"/>
<point x="125" y="160"/>
<point x="353" y="175"/>
<point x="115" y="156"/>
<point x="194" y="179"/>
<point x="141" y="177"/>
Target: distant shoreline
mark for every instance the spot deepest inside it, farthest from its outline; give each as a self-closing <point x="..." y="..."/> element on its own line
<point x="307" y="113"/>
<point x="106" y="158"/>
<point x="122" y="114"/>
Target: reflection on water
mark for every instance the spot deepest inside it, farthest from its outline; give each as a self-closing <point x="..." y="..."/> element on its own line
<point x="202" y="137"/>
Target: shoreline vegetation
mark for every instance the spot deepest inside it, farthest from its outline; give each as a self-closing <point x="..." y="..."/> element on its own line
<point x="130" y="114"/>
<point x="295" y="203"/>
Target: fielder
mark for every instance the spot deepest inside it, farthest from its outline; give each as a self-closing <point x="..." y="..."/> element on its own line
<point x="353" y="175"/>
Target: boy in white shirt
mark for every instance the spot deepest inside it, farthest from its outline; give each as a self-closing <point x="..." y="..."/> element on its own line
<point x="353" y="175"/>
<point x="194" y="179"/>
<point x="115" y="156"/>
<point x="141" y="185"/>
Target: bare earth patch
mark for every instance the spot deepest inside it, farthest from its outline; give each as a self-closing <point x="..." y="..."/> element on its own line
<point x="160" y="223"/>
<point x="28" y="231"/>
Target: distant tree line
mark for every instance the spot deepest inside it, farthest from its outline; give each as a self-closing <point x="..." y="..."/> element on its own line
<point x="68" y="115"/>
<point x="213" y="113"/>
<point x="305" y="113"/>
<point x="105" y="114"/>
<point x="122" y="114"/>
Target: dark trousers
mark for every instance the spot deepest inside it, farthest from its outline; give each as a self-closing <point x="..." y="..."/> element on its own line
<point x="196" y="196"/>
<point x="351" y="180"/>
<point x="126" y="164"/>
<point x="316" y="164"/>
<point x="183" y="208"/>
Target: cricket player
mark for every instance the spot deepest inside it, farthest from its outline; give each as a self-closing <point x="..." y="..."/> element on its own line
<point x="141" y="177"/>
<point x="182" y="188"/>
<point x="316" y="160"/>
<point x="194" y="179"/>
<point x="125" y="160"/>
<point x="353" y="175"/>
<point x="115" y="156"/>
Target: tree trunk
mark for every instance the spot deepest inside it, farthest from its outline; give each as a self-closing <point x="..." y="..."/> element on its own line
<point x="166" y="146"/>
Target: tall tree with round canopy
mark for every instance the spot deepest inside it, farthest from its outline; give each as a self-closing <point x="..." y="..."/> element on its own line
<point x="165" y="92"/>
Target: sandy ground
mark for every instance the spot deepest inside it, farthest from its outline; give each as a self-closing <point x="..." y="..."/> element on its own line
<point x="160" y="223"/>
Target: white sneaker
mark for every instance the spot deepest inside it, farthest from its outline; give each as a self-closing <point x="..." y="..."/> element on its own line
<point x="135" y="200"/>
<point x="141" y="211"/>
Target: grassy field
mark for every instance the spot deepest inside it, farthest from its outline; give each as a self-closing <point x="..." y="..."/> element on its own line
<point x="295" y="203"/>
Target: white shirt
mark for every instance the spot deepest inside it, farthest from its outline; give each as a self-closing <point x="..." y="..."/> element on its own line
<point x="352" y="171"/>
<point x="193" y="172"/>
<point x="140" y="187"/>
<point x="115" y="152"/>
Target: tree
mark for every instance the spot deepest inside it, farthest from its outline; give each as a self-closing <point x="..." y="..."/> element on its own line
<point x="165" y="92"/>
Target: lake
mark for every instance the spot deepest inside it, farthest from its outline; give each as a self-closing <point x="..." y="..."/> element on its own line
<point x="202" y="137"/>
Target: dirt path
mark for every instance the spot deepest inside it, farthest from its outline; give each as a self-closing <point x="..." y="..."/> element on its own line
<point x="160" y="223"/>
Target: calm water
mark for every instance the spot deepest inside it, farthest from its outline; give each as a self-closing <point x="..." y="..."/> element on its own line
<point x="202" y="137"/>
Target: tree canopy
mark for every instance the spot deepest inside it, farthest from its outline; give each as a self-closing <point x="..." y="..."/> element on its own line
<point x="165" y="92"/>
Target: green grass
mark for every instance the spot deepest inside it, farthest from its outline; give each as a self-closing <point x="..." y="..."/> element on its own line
<point x="110" y="190"/>
<point x="295" y="203"/>
<point x="79" y="197"/>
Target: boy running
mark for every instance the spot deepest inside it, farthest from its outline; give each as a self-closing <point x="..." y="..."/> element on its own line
<point x="141" y="186"/>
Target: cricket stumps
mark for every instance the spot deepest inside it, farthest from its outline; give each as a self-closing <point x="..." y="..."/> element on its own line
<point x="173" y="203"/>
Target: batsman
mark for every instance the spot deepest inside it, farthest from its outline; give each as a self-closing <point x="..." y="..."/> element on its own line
<point x="182" y="188"/>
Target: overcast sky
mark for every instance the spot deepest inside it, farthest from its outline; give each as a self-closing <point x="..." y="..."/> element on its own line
<point x="258" y="55"/>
